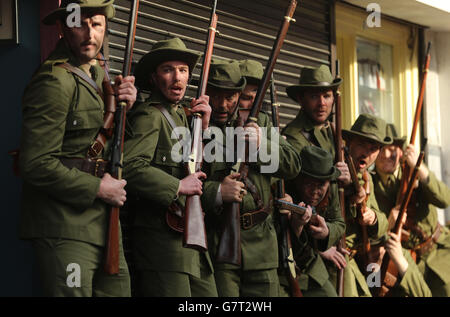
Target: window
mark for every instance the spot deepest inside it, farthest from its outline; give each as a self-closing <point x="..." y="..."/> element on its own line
<point x="375" y="79"/>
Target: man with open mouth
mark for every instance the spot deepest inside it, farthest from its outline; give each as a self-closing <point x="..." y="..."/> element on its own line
<point x="364" y="141"/>
<point x="164" y="267"/>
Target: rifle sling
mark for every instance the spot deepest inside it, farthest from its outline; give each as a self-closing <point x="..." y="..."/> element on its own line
<point x="254" y="192"/>
<point x="83" y="76"/>
<point x="169" y="119"/>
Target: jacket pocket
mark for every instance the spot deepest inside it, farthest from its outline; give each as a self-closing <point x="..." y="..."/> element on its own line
<point x="81" y="128"/>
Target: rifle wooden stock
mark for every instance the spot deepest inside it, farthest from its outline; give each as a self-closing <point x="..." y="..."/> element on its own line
<point x="233" y="210"/>
<point x="194" y="227"/>
<point x="388" y="270"/>
<point x="405" y="168"/>
<point x="229" y="248"/>
<point x="112" y="245"/>
<point x="361" y="206"/>
<point x="339" y="157"/>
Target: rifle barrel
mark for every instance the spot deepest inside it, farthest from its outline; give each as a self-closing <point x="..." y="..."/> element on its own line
<point x="265" y="81"/>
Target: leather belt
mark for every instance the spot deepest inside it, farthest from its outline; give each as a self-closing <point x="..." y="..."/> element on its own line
<point x="428" y="244"/>
<point x="95" y="167"/>
<point x="251" y="219"/>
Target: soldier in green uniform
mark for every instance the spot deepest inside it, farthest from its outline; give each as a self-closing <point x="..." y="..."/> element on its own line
<point x="315" y="186"/>
<point x="312" y="126"/>
<point x="315" y="93"/>
<point x="257" y="275"/>
<point x="429" y="241"/>
<point x="253" y="73"/>
<point x="410" y="281"/>
<point x="364" y="141"/>
<point x="67" y="194"/>
<point x="164" y="267"/>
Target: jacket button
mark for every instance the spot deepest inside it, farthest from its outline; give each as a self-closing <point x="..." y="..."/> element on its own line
<point x="163" y="158"/>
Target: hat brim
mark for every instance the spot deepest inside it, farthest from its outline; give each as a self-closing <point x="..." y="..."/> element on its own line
<point x="221" y="85"/>
<point x="293" y="91"/>
<point x="349" y="133"/>
<point x="148" y="63"/>
<point x="252" y="80"/>
<point x="107" y="9"/>
<point x="332" y="176"/>
<point x="399" y="141"/>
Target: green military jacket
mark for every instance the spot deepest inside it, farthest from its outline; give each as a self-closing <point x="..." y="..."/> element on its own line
<point x="259" y="243"/>
<point x="412" y="284"/>
<point x="306" y="249"/>
<point x="428" y="195"/>
<point x="62" y="115"/>
<point x="301" y="132"/>
<point x="153" y="178"/>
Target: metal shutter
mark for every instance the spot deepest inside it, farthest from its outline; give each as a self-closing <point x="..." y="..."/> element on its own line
<point x="247" y="30"/>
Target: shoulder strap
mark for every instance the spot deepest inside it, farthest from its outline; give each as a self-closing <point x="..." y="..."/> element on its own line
<point x="169" y="119"/>
<point x="106" y="131"/>
<point x="83" y="76"/>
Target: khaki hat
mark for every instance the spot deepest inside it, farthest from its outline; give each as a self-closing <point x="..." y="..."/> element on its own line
<point x="162" y="51"/>
<point x="392" y="132"/>
<point x="318" y="163"/>
<point x="369" y="127"/>
<point x="252" y="71"/>
<point x="226" y="75"/>
<point x="105" y="6"/>
<point x="313" y="78"/>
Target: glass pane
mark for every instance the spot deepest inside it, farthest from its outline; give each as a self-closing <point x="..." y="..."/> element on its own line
<point x="375" y="80"/>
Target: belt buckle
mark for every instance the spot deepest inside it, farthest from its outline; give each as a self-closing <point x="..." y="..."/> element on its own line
<point x="97" y="165"/>
<point x="246" y="221"/>
<point x="95" y="149"/>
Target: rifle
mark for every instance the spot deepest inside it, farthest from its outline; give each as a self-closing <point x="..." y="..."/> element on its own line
<point x="299" y="210"/>
<point x="112" y="246"/>
<point x="229" y="249"/>
<point x="194" y="224"/>
<point x="407" y="172"/>
<point x="388" y="270"/>
<point x="342" y="245"/>
<point x="286" y="254"/>
<point x="361" y="206"/>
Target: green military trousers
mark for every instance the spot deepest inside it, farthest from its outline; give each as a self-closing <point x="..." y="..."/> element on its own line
<point x="435" y="270"/>
<point x="75" y="268"/>
<point x="176" y="284"/>
<point x="313" y="289"/>
<point x="355" y="284"/>
<point x="251" y="283"/>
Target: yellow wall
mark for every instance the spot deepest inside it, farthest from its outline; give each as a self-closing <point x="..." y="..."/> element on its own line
<point x="350" y="24"/>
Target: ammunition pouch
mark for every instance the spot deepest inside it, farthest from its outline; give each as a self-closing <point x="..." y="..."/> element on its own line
<point x="425" y="247"/>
